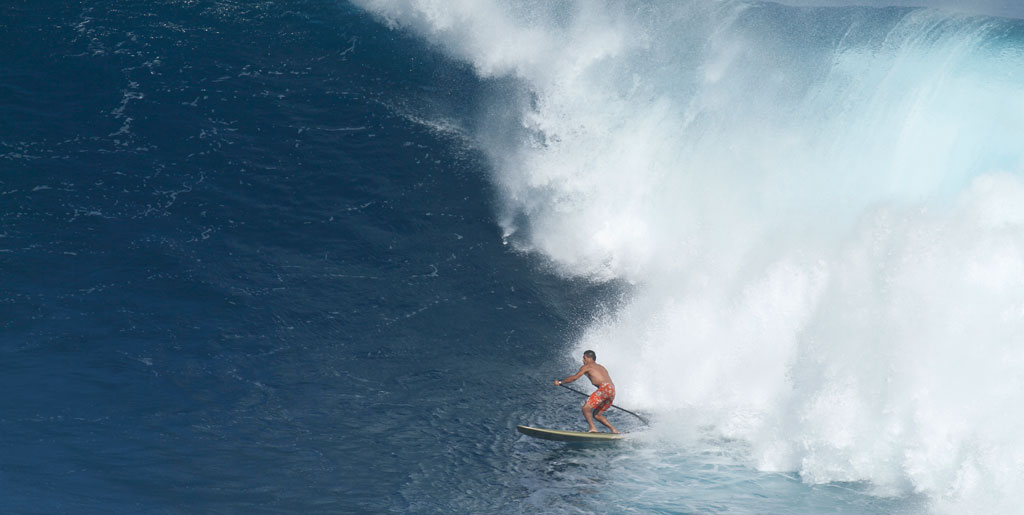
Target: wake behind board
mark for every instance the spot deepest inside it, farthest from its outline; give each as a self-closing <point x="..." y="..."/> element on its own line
<point x="568" y="436"/>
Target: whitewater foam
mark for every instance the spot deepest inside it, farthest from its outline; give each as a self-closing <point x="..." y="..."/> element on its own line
<point x="819" y="209"/>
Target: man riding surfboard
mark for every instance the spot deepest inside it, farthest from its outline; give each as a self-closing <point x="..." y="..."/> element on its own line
<point x="602" y="398"/>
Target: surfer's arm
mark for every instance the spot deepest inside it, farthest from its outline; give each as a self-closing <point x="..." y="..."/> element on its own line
<point x="583" y="370"/>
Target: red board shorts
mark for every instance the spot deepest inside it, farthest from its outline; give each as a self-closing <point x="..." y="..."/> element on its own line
<point x="602" y="398"/>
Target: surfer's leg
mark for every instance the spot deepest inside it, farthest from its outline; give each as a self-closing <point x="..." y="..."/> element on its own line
<point x="601" y="418"/>
<point x="589" y="415"/>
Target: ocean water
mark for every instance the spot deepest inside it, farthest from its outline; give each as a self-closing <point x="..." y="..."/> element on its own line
<point x="308" y="256"/>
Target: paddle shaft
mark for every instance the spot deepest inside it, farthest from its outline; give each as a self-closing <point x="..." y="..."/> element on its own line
<point x="642" y="419"/>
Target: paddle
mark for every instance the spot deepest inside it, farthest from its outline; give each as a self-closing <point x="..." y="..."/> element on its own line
<point x="642" y="419"/>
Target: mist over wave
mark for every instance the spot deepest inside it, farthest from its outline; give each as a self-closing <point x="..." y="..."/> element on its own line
<point x="819" y="213"/>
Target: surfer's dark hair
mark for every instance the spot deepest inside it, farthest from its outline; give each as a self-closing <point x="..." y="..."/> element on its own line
<point x="590" y="354"/>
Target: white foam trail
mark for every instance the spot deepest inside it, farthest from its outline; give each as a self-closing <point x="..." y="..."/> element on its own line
<point x="820" y="210"/>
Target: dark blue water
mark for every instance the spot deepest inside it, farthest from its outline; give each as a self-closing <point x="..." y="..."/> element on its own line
<point x="245" y="267"/>
<point x="236" y="277"/>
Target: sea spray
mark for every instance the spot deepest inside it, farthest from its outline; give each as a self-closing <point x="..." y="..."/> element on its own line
<point x="818" y="210"/>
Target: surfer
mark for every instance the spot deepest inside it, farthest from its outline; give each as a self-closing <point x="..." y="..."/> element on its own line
<point x="602" y="398"/>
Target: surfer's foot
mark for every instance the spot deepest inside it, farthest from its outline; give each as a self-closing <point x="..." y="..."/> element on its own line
<point x="593" y="430"/>
<point x="616" y="431"/>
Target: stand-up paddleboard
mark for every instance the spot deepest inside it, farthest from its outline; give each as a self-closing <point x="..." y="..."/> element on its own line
<point x="568" y="436"/>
